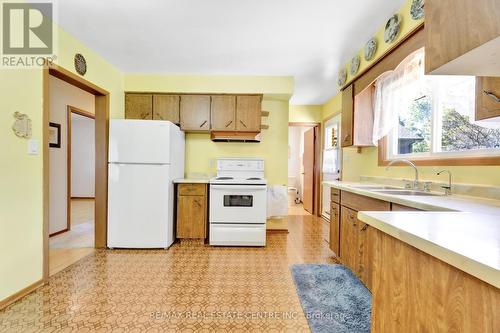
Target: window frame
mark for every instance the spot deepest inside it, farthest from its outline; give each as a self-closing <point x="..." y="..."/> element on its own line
<point x="434" y="157"/>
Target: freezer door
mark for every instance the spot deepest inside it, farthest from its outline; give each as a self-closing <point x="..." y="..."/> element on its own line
<point x="139" y="141"/>
<point x="140" y="214"/>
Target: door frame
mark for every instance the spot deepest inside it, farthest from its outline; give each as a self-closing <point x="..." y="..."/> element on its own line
<point x="101" y="159"/>
<point x="317" y="162"/>
<point x="70" y="110"/>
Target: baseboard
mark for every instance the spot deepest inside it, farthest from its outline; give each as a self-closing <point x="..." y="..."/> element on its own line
<point x="58" y="232"/>
<point x="82" y="198"/>
<point x="20" y="294"/>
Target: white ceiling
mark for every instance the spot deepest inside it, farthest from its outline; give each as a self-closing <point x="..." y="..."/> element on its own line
<point x="305" y="39"/>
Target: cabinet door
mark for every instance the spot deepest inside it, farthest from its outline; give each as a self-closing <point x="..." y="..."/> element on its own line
<point x="487" y="97"/>
<point x="248" y="113"/>
<point x="166" y="107"/>
<point x="364" y="254"/>
<point x="346" y="131"/>
<point x="223" y="112"/>
<point x="191" y="216"/>
<point x="195" y="113"/>
<point x="349" y="238"/>
<point x="454" y="28"/>
<point x="139" y="106"/>
<point x="335" y="228"/>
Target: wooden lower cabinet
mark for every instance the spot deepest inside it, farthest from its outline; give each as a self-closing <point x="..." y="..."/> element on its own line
<point x="415" y="292"/>
<point x="349" y="238"/>
<point x="334" y="233"/>
<point x="192" y="211"/>
<point x="355" y="245"/>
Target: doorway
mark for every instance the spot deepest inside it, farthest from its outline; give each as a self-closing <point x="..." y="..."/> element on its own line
<point x="100" y="104"/>
<point x="76" y="240"/>
<point x="303" y="168"/>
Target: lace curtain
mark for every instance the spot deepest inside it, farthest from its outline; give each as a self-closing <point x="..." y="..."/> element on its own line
<point x="395" y="90"/>
<point x="398" y="89"/>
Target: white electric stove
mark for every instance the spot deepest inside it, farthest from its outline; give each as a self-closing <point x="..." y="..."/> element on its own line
<point x="238" y="203"/>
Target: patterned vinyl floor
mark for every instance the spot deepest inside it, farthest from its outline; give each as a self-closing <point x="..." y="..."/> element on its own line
<point x="191" y="287"/>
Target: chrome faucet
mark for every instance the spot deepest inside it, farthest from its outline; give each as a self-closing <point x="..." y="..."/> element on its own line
<point x="447" y="189"/>
<point x="410" y="163"/>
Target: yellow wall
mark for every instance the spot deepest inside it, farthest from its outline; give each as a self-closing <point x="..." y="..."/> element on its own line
<point x="306" y="113"/>
<point x="407" y="25"/>
<point x="200" y="150"/>
<point x="332" y="107"/>
<point x="366" y="163"/>
<point x="21" y="194"/>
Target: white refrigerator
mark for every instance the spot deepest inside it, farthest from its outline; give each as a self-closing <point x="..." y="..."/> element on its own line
<point x="145" y="156"/>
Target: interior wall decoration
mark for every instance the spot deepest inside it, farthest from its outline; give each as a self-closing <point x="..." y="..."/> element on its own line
<point x="22" y="125"/>
<point x="80" y="64"/>
<point x="370" y="49"/>
<point x="417" y="9"/>
<point x="54" y="135"/>
<point x="392" y="28"/>
<point x="354" y="65"/>
<point x="342" y="77"/>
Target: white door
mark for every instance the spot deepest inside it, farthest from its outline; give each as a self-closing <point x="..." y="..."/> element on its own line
<point x="139" y="141"/>
<point x="138" y="210"/>
<point x="238" y="203"/>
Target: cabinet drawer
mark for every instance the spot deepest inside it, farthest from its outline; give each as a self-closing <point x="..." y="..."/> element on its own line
<point x="192" y="189"/>
<point x="360" y="202"/>
<point x="335" y="195"/>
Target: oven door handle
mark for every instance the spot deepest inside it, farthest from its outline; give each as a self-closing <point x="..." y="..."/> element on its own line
<point x="239" y="187"/>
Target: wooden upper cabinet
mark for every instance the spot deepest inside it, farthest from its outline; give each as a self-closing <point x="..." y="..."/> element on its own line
<point x="166" y="107"/>
<point x="462" y="37"/>
<point x="223" y="113"/>
<point x="487" y="97"/>
<point x="138" y="106"/>
<point x="248" y="113"/>
<point x="195" y="113"/>
<point x="346" y="131"/>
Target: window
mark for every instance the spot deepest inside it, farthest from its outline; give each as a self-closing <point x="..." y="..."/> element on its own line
<point x="331" y="149"/>
<point x="432" y="117"/>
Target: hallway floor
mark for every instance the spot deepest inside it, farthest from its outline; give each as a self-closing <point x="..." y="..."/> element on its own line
<point x="190" y="287"/>
<point x="67" y="248"/>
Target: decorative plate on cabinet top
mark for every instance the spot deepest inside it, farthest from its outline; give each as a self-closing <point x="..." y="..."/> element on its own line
<point x="392" y="28"/>
<point x="417" y="9"/>
<point x="354" y="65"/>
<point x="370" y="49"/>
<point x="342" y="77"/>
<point x="80" y="64"/>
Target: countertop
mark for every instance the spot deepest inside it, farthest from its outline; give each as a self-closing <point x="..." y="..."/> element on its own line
<point x="467" y="241"/>
<point x="431" y="203"/>
<point x="191" y="181"/>
<point x="459" y="230"/>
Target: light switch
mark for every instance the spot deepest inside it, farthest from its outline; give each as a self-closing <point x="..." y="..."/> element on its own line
<point x="33" y="147"/>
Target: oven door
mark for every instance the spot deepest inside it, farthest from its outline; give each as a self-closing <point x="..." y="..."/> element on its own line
<point x="238" y="204"/>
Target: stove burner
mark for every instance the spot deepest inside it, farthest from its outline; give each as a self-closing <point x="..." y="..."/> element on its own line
<point x="253" y="178"/>
<point x="224" y="178"/>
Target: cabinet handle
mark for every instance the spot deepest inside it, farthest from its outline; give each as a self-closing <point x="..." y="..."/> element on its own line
<point x="203" y="123"/>
<point x="159" y="116"/>
<point x="364" y="227"/>
<point x="197" y="203"/>
<point x="346" y="137"/>
<point x="229" y="123"/>
<point x="143" y="115"/>
<point x="492" y="96"/>
<point x="243" y="123"/>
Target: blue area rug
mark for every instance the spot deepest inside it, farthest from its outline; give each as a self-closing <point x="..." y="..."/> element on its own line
<point x="333" y="298"/>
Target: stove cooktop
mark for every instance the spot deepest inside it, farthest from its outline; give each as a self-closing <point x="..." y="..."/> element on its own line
<point x="238" y="180"/>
